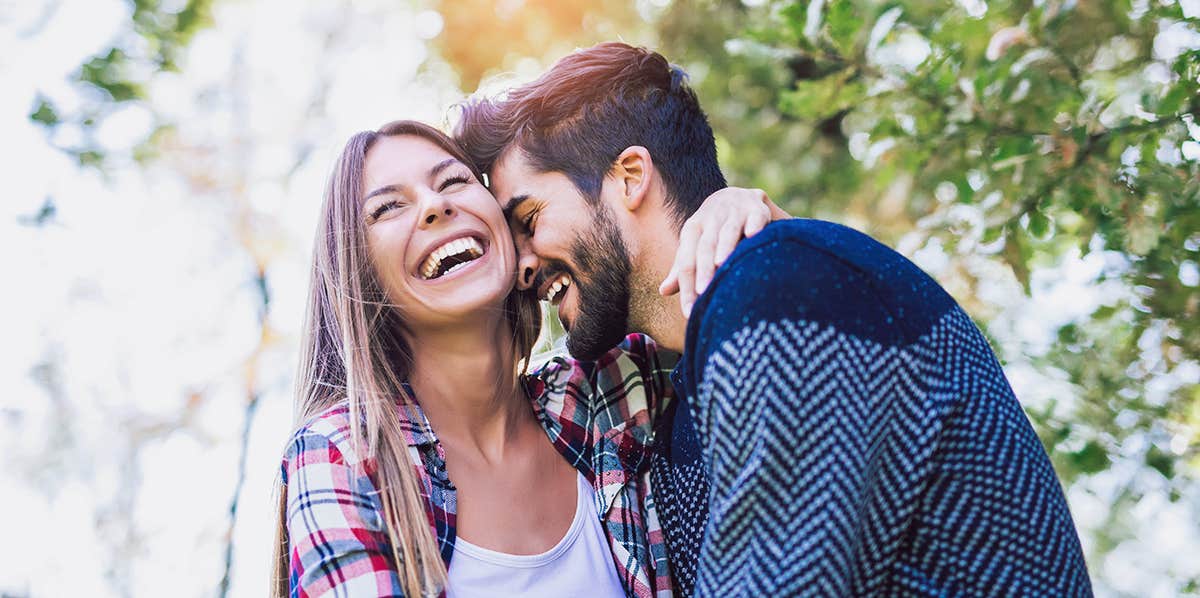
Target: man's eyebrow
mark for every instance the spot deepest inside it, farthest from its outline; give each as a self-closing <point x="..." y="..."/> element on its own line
<point x="513" y="203"/>
<point x="440" y="166"/>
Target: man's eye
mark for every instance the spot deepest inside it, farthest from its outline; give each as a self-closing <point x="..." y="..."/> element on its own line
<point x="527" y="222"/>
<point x="454" y="180"/>
<point x="382" y="209"/>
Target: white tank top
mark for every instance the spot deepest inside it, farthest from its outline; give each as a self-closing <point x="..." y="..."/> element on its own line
<point x="581" y="564"/>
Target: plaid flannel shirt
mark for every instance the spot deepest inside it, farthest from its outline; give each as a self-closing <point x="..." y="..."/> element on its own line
<point x="599" y="415"/>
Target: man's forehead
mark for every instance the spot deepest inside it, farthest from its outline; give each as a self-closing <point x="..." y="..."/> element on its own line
<point x="510" y="166"/>
<point x="513" y="178"/>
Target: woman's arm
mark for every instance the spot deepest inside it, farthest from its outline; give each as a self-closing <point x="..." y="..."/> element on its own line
<point x="335" y="526"/>
<point x="710" y="235"/>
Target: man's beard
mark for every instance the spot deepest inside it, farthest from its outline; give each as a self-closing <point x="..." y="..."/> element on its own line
<point x="602" y="286"/>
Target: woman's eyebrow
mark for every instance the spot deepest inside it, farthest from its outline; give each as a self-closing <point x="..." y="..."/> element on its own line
<point x="440" y="166"/>
<point x="384" y="190"/>
<point x="396" y="188"/>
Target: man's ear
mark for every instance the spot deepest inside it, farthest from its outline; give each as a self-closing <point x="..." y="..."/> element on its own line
<point x="631" y="172"/>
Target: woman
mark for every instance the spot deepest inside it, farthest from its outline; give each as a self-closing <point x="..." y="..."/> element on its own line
<point x="530" y="483"/>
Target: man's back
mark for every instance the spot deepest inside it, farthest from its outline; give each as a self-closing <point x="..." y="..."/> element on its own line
<point x="851" y="433"/>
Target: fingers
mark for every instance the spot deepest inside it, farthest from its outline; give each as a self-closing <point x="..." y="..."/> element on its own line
<point x="705" y="258"/>
<point x="731" y="233"/>
<point x="685" y="265"/>
<point x="670" y="284"/>
<point x="708" y="238"/>
<point x="757" y="220"/>
<point x="687" y="289"/>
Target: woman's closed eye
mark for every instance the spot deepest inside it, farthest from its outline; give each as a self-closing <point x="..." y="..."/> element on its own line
<point x="450" y="181"/>
<point x="383" y="208"/>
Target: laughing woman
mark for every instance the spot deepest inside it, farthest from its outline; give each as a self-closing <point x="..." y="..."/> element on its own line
<point x="427" y="459"/>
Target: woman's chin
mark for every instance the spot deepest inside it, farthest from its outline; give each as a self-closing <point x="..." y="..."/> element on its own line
<point x="480" y="298"/>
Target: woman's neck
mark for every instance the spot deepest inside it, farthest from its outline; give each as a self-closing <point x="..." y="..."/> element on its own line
<point x="464" y="378"/>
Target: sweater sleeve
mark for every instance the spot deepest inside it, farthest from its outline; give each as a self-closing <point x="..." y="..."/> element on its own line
<point x="859" y="434"/>
<point x="336" y="535"/>
<point x="788" y="417"/>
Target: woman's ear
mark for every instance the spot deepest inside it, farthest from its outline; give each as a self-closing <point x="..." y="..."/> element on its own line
<point x="632" y="172"/>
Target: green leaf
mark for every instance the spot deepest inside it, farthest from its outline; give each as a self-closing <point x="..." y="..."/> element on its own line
<point x="1016" y="253"/>
<point x="45" y="114"/>
<point x="822" y="98"/>
<point x="1039" y="225"/>
<point x="945" y="77"/>
<point x="794" y="16"/>
<point x="195" y="16"/>
<point x="90" y="158"/>
<point x="992" y="234"/>
<point x="965" y="193"/>
<point x="108" y="72"/>
<point x="1012" y="146"/>
<point x="1161" y="462"/>
<point x="1092" y="458"/>
<point x="844" y="25"/>
<point x="1175" y="100"/>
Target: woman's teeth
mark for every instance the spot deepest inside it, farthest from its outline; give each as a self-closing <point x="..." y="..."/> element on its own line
<point x="457" y="266"/>
<point x="451" y="257"/>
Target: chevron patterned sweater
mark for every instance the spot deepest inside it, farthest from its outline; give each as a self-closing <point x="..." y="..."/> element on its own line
<point x="844" y="429"/>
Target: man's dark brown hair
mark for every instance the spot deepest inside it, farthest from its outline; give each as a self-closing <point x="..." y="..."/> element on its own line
<point x="588" y="108"/>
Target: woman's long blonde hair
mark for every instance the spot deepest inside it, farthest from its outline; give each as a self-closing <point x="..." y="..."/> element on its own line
<point x="353" y="350"/>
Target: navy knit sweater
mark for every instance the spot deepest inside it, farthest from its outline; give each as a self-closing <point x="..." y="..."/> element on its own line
<point x="844" y="429"/>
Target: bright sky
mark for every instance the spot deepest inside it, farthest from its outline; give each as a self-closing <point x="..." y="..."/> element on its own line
<point x="135" y="310"/>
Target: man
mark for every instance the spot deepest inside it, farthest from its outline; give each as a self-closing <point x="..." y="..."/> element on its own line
<point x="841" y="427"/>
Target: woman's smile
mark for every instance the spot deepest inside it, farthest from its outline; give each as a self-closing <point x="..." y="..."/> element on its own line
<point x="447" y="260"/>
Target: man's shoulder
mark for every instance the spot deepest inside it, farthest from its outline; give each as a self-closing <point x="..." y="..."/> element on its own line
<point x="822" y="272"/>
<point x="803" y="229"/>
<point x="797" y="259"/>
<point x="818" y="240"/>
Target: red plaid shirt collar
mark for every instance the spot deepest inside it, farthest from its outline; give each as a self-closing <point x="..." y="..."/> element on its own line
<point x="599" y="415"/>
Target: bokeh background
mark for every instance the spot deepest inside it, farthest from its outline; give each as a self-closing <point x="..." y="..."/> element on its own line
<point x="163" y="161"/>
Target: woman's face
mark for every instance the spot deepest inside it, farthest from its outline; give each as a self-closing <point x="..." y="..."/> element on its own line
<point x="438" y="242"/>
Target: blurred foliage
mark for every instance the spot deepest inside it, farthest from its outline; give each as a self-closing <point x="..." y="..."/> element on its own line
<point x="482" y="37"/>
<point x="1019" y="133"/>
<point x="158" y="35"/>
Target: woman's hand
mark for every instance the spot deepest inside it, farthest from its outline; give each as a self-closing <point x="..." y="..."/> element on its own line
<point x="709" y="236"/>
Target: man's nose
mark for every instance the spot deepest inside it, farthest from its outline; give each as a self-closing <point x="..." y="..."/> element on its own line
<point x="434" y="207"/>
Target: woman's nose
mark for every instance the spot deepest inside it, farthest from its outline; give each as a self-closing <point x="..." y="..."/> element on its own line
<point x="434" y="207"/>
